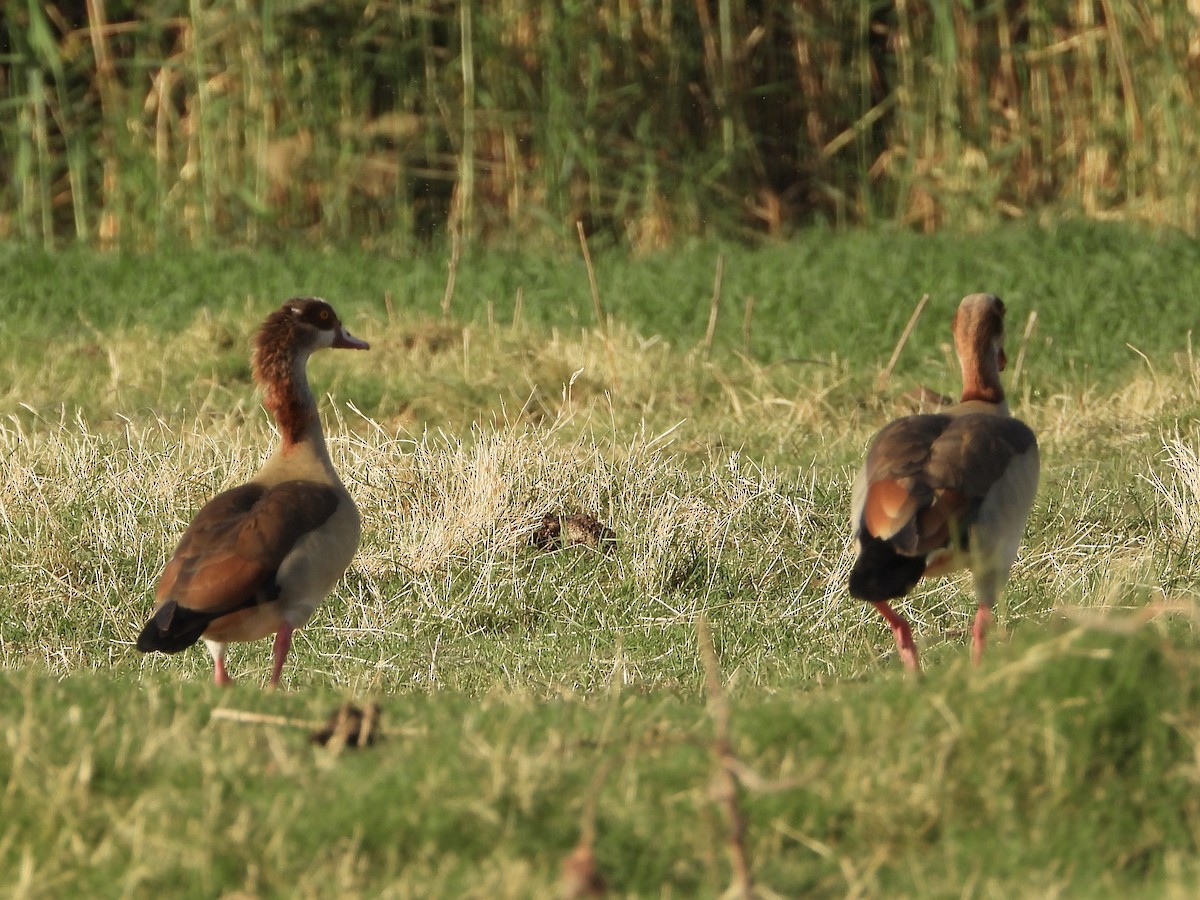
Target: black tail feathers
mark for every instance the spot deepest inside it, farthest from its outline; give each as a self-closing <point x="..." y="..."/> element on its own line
<point x="172" y="628"/>
<point x="880" y="573"/>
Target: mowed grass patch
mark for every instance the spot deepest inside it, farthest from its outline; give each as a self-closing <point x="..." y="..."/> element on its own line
<point x="447" y="584"/>
<point x="447" y="589"/>
<point x="1066" y="766"/>
<point x="111" y="334"/>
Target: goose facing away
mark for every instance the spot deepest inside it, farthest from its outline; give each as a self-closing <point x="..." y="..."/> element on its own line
<point x="258" y="559"/>
<point x="942" y="492"/>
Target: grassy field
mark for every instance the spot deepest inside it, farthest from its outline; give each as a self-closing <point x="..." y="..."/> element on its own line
<point x="534" y="703"/>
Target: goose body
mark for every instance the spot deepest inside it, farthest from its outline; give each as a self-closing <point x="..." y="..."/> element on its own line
<point x="259" y="558"/>
<point x="942" y="492"/>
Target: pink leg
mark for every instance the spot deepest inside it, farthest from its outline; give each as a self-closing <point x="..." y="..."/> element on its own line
<point x="983" y="619"/>
<point x="903" y="635"/>
<point x="220" y="676"/>
<point x="283" y="643"/>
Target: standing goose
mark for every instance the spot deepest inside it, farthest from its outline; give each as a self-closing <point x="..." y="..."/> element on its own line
<point x="258" y="559"/>
<point x="943" y="492"/>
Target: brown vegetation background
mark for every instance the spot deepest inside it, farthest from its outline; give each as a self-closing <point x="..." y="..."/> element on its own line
<point x="141" y="123"/>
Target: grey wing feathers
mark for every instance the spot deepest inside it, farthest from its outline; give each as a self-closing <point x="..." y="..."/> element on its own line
<point x="974" y="452"/>
<point x="966" y="453"/>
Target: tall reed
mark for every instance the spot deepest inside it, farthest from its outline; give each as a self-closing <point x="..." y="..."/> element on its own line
<point x="136" y="124"/>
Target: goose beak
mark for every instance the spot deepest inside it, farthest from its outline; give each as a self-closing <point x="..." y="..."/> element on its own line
<point x="344" y="340"/>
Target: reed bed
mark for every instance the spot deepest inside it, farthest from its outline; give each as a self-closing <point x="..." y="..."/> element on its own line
<point x="135" y="124"/>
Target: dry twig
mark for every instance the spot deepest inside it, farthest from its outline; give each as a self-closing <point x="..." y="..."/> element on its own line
<point x="725" y="784"/>
<point x="597" y="307"/>
<point x="714" y="306"/>
<point x="1020" y="363"/>
<point x="347" y="726"/>
<point x="886" y="374"/>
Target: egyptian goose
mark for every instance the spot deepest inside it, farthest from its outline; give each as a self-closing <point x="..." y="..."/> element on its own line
<point x="943" y="492"/>
<point x="258" y="559"/>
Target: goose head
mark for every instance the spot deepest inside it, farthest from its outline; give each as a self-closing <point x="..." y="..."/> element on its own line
<point x="286" y="339"/>
<point x="296" y="329"/>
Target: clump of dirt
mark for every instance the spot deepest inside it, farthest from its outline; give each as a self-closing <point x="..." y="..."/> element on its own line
<point x="349" y="726"/>
<point x="431" y="338"/>
<point x="579" y="529"/>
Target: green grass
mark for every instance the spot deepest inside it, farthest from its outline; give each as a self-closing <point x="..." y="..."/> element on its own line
<point x="1066" y="766"/>
<point x="1095" y="289"/>
<point x="528" y="697"/>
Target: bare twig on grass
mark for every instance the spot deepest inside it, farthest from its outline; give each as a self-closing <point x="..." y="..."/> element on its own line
<point x="245" y="717"/>
<point x="597" y="307"/>
<point x="452" y="273"/>
<point x="725" y="783"/>
<point x="747" y="319"/>
<point x="1030" y="324"/>
<point x="580" y="877"/>
<point x="714" y="306"/>
<point x="347" y="726"/>
<point x="886" y="374"/>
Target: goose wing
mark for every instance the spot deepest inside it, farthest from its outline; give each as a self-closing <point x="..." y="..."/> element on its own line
<point x="228" y="557"/>
<point x="926" y="476"/>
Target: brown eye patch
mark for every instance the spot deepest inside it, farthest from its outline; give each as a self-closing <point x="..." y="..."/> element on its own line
<point x="318" y="313"/>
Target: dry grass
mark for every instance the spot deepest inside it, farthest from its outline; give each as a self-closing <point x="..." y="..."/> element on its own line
<point x="90" y="516"/>
<point x="1179" y="487"/>
<point x="511" y="678"/>
<point x="91" y="512"/>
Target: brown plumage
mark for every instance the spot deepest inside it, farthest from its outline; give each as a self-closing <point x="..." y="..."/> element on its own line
<point x="947" y="491"/>
<point x="258" y="559"/>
